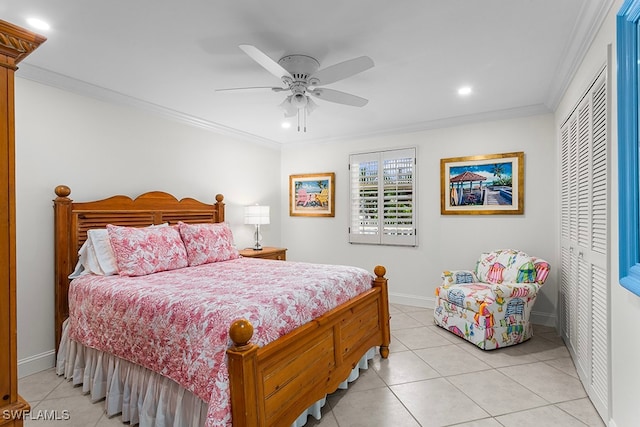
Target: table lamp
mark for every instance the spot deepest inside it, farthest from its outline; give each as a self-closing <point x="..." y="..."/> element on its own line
<point x="256" y="215"/>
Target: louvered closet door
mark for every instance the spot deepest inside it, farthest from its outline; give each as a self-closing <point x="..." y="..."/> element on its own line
<point x="569" y="174"/>
<point x="584" y="241"/>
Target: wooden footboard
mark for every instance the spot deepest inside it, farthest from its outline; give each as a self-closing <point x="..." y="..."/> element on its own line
<point x="272" y="385"/>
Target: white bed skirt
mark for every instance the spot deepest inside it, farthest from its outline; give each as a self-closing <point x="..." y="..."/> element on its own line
<point x="143" y="396"/>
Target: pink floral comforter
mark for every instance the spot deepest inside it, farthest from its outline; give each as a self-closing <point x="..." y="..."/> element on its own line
<point x="176" y="322"/>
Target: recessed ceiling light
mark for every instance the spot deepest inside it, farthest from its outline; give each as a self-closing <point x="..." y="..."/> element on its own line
<point x="465" y="90"/>
<point x="286" y="125"/>
<point x="38" y="24"/>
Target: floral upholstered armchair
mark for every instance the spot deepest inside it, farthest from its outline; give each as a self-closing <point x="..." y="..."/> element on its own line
<point x="490" y="306"/>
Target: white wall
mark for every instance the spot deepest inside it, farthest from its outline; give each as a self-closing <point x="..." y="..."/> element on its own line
<point x="624" y="305"/>
<point x="445" y="241"/>
<point x="99" y="149"/>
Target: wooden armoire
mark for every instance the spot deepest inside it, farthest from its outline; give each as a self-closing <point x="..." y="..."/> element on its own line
<point x="15" y="44"/>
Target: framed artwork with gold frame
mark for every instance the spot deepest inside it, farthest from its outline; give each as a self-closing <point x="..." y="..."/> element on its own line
<point x="490" y="184"/>
<point x="312" y="194"/>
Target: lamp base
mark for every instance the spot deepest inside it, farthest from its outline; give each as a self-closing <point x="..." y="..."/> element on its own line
<point x="257" y="237"/>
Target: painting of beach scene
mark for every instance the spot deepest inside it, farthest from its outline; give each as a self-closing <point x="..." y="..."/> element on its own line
<point x="312" y="194"/>
<point x="485" y="184"/>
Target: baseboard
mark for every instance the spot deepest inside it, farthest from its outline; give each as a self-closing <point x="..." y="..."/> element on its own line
<point x="414" y="300"/>
<point x="37" y="363"/>
<point x="546" y="319"/>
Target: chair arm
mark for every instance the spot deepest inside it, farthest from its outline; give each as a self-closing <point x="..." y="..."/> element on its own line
<point x="453" y="277"/>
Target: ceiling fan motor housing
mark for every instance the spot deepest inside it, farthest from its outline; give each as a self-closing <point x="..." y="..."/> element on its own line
<point x="301" y="67"/>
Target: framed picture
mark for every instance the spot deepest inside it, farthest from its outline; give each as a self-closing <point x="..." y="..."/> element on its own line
<point x="312" y="194"/>
<point x="491" y="184"/>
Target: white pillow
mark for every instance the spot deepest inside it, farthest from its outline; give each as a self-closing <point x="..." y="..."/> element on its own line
<point x="96" y="255"/>
<point x="87" y="261"/>
<point x="103" y="251"/>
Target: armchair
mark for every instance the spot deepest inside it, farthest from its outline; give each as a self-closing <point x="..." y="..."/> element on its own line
<point x="490" y="306"/>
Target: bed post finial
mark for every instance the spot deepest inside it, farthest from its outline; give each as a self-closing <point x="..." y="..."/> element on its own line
<point x="62" y="191"/>
<point x="241" y="332"/>
<point x="220" y="205"/>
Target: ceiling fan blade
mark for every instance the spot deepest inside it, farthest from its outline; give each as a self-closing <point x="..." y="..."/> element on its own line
<point x="275" y="89"/>
<point x="342" y="70"/>
<point x="338" y="97"/>
<point x="261" y="58"/>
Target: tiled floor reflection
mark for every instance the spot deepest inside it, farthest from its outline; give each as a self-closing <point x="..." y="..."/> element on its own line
<point x="431" y="378"/>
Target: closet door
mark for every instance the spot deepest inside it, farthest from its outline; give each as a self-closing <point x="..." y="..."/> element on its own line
<point x="584" y="293"/>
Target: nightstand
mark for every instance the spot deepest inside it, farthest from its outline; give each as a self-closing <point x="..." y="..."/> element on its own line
<point x="267" y="252"/>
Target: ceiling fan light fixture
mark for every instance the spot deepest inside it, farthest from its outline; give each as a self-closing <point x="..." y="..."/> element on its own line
<point x="299" y="100"/>
<point x="311" y="106"/>
<point x="289" y="109"/>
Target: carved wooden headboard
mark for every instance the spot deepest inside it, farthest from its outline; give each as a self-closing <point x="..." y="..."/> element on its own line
<point x="73" y="219"/>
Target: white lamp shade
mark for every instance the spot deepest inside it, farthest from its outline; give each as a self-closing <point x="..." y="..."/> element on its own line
<point x="256" y="214"/>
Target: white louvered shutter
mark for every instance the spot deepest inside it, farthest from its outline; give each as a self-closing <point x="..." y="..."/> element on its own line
<point x="383" y="197"/>
<point x="365" y="220"/>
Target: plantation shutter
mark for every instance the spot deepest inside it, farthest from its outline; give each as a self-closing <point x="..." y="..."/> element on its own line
<point x="365" y="221"/>
<point x="383" y="205"/>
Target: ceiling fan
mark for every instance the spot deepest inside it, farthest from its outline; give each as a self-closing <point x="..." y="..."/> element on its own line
<point x="302" y="76"/>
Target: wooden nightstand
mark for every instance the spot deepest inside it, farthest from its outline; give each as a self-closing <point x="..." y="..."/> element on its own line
<point x="267" y="252"/>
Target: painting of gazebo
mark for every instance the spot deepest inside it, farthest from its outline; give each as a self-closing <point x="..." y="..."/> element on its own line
<point x="486" y="184"/>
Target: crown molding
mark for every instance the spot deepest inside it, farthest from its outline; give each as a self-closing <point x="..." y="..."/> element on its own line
<point x="592" y="15"/>
<point x="510" y="113"/>
<point x="60" y="81"/>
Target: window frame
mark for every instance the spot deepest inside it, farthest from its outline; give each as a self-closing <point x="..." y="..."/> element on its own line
<point x="627" y="21"/>
<point x="379" y="237"/>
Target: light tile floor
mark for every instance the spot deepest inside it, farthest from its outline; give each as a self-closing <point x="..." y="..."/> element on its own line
<point x="431" y="378"/>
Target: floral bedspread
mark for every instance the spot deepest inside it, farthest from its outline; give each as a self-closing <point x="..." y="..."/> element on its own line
<point x="176" y="322"/>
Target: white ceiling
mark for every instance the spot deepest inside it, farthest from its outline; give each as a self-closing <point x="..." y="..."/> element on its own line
<point x="170" y="56"/>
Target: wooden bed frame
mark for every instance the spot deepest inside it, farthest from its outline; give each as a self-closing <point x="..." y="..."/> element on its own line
<point x="271" y="385"/>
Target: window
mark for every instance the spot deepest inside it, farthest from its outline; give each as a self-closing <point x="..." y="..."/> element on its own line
<point x="628" y="162"/>
<point x="383" y="197"/>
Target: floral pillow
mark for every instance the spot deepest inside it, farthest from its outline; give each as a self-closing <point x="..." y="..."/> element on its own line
<point x="206" y="243"/>
<point x="141" y="251"/>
